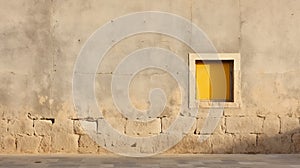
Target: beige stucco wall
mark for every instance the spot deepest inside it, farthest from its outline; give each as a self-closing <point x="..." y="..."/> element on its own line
<point x="40" y="41"/>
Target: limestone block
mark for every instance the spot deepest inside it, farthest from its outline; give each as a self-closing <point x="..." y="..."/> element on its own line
<point x="210" y="124"/>
<point x="166" y="122"/>
<point x="87" y="145"/>
<point x="274" y="144"/>
<point x="63" y="126"/>
<point x="296" y="142"/>
<point x="271" y="125"/>
<point x="244" y="125"/>
<point x="289" y="124"/>
<point x="134" y="128"/>
<point x="245" y="143"/>
<point x="28" y="144"/>
<point x="191" y="144"/>
<point x="42" y="127"/>
<point x="7" y="144"/>
<point x="222" y="143"/>
<point x="45" y="146"/>
<point x="64" y="142"/>
<point x="22" y="126"/>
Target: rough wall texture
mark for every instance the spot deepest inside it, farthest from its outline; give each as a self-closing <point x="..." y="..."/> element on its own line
<point x="40" y="41"/>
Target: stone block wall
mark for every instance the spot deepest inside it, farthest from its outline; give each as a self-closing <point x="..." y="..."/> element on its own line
<point x="40" y="41"/>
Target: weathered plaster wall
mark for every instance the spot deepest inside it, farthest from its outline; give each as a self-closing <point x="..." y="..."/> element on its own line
<point x="40" y="41"/>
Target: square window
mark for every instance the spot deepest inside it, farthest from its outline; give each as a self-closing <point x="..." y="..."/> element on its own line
<point x="214" y="80"/>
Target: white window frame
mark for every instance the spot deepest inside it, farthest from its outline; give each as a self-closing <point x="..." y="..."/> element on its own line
<point x="193" y="101"/>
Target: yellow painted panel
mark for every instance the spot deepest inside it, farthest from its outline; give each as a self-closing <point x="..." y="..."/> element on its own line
<point x="214" y="80"/>
<point x="202" y="81"/>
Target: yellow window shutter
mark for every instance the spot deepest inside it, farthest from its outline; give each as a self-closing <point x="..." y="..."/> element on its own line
<point x="214" y="80"/>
